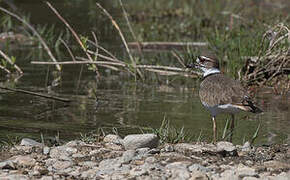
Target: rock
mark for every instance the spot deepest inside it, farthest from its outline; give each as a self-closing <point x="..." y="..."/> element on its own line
<point x="76" y="143"/>
<point x="283" y="176"/>
<point x="46" y="150"/>
<point x="178" y="165"/>
<point x="186" y="148"/>
<point x="62" y="152"/>
<point x="136" y="141"/>
<point x="228" y="174"/>
<point x="26" y="149"/>
<point x="29" y="142"/>
<point x="14" y="177"/>
<point x="179" y="174"/>
<point x="276" y="165"/>
<point x="7" y="165"/>
<point x="247" y="146"/>
<point x="61" y="165"/>
<point x="142" y="151"/>
<point x="250" y="178"/>
<point x="198" y="175"/>
<point x="243" y="172"/>
<point x="109" y="164"/>
<point x="168" y="148"/>
<point x="89" y="164"/>
<point x="198" y="167"/>
<point x="46" y="178"/>
<point x="40" y="170"/>
<point x="89" y="174"/>
<point x="137" y="171"/>
<point x="24" y="161"/>
<point x="127" y="156"/>
<point x="113" y="146"/>
<point x="226" y="149"/>
<point x="150" y="160"/>
<point x="112" y="138"/>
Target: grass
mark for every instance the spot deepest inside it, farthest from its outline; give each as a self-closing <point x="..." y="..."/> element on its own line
<point x="170" y="134"/>
<point x="233" y="29"/>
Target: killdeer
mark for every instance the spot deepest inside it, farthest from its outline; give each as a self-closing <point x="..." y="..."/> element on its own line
<point x="221" y="94"/>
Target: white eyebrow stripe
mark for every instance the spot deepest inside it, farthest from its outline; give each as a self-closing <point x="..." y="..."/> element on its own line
<point x="204" y="57"/>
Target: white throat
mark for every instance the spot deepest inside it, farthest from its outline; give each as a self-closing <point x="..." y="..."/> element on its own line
<point x="207" y="72"/>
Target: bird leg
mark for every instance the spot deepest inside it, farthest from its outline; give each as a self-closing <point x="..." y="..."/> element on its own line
<point x="214" y="129"/>
<point x="232" y="127"/>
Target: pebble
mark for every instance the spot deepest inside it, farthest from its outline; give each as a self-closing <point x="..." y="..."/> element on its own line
<point x="112" y="138"/>
<point x="200" y="161"/>
<point x="127" y="156"/>
<point x="198" y="175"/>
<point x="29" y="142"/>
<point x="46" y="150"/>
<point x="25" y="161"/>
<point x="7" y="165"/>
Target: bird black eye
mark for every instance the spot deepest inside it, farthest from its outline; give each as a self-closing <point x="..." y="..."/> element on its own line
<point x="201" y="59"/>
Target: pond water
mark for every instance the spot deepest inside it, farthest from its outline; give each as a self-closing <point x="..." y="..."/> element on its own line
<point x="121" y="102"/>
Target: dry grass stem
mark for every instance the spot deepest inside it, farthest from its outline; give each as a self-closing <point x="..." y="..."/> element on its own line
<point x="123" y="39"/>
<point x="276" y="60"/>
<point x="8" y="59"/>
<point x="68" y="49"/>
<point x="4" y="69"/>
<point x="36" y="33"/>
<point x="73" y="32"/>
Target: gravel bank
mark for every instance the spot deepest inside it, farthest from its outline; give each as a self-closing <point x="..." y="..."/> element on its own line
<point x="140" y="157"/>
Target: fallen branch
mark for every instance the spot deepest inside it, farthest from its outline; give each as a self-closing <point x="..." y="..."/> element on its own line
<point x="36" y="94"/>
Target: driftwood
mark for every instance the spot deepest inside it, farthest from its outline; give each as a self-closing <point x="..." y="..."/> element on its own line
<point x="36" y="94"/>
<point x="165" y="45"/>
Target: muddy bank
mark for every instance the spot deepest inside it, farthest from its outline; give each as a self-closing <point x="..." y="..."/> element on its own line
<point x="140" y="157"/>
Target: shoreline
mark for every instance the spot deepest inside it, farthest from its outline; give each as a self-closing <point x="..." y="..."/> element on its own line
<point x="140" y="156"/>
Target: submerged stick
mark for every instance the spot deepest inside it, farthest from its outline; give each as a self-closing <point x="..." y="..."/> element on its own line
<point x="36" y="94"/>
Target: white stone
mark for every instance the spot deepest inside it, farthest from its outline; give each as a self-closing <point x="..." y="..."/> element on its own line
<point x="136" y="141"/>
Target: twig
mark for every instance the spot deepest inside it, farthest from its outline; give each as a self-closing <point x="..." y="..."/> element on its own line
<point x="36" y="94"/>
<point x="123" y="40"/>
<point x="36" y="33"/>
<point x="6" y="70"/>
<point x="105" y="50"/>
<point x="68" y="49"/>
<point x="72" y="31"/>
<point x="127" y="20"/>
<point x="178" y="58"/>
<point x="8" y="59"/>
<point x="96" y="42"/>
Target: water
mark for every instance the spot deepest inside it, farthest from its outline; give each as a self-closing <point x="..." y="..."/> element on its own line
<point x="121" y="102"/>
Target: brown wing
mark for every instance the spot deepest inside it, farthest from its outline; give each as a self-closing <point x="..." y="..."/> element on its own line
<point x="218" y="89"/>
